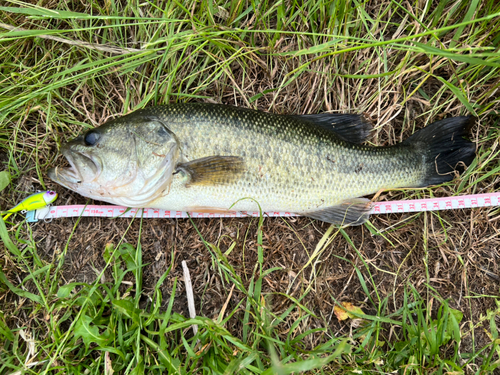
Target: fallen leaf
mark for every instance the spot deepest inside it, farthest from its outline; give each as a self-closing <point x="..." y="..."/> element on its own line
<point x="344" y="312"/>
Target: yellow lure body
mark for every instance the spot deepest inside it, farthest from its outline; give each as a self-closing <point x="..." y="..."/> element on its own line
<point x="33" y="202"/>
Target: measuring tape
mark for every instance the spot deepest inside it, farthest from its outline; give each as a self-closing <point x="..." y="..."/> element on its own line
<point x="416" y="205"/>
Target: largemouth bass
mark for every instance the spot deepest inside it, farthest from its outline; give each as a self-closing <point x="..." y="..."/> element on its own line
<point x="217" y="158"/>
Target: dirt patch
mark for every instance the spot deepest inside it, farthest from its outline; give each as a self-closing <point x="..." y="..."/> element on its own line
<point x="459" y="247"/>
<point x="454" y="253"/>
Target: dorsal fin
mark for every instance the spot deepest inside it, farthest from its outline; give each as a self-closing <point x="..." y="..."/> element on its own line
<point x="349" y="127"/>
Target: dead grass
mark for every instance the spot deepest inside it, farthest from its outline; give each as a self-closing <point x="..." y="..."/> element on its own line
<point x="453" y="254"/>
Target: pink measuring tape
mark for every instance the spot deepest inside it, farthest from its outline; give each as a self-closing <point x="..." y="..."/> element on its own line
<point x="416" y="205"/>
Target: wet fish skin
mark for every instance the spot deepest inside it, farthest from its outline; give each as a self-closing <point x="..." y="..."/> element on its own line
<point x="130" y="164"/>
<point x="285" y="163"/>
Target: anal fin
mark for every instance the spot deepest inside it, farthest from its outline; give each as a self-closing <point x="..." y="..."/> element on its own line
<point x="351" y="212"/>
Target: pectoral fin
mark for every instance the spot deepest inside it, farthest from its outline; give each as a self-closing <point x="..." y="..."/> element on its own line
<point x="213" y="170"/>
<point x="352" y="212"/>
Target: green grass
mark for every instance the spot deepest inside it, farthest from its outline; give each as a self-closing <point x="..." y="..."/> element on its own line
<point x="75" y="326"/>
<point x="65" y="67"/>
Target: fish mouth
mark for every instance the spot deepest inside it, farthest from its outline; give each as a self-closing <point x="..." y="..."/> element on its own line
<point x="83" y="168"/>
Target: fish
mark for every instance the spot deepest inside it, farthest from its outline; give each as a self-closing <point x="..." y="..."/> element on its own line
<point x="200" y="157"/>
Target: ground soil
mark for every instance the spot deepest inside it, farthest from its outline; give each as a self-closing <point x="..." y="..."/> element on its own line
<point x="455" y="253"/>
<point x="460" y="248"/>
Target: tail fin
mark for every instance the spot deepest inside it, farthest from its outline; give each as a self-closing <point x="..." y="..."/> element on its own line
<point x="446" y="148"/>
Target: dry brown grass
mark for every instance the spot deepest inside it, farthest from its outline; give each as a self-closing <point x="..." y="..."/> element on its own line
<point x="454" y="254"/>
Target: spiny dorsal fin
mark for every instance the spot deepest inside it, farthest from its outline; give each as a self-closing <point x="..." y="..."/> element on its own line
<point x="213" y="170"/>
<point x="351" y="212"/>
<point x="351" y="128"/>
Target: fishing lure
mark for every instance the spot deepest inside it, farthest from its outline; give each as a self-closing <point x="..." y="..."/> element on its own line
<point x="33" y="202"/>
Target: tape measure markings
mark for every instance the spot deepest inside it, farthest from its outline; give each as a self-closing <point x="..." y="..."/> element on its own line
<point x="415" y="205"/>
<point x="434" y="204"/>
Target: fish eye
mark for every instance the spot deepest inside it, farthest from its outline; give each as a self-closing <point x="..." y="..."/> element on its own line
<point x="91" y="138"/>
<point x="51" y="192"/>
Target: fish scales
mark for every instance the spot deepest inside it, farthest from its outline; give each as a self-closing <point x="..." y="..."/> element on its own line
<point x="291" y="165"/>
<point x="206" y="157"/>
